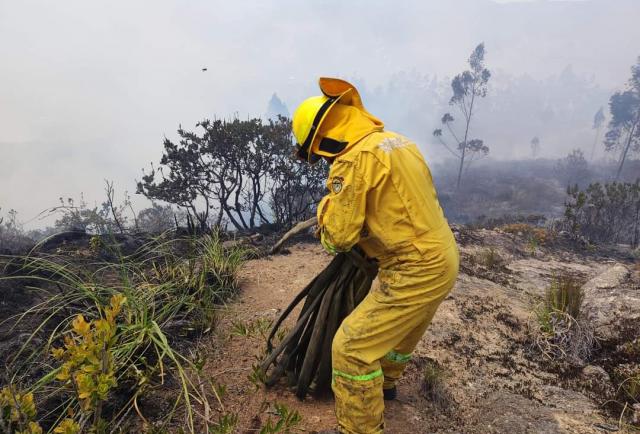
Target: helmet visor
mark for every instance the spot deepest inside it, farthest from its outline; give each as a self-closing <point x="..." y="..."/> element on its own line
<point x="303" y="154"/>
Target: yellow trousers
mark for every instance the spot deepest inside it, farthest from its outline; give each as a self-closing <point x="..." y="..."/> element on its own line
<point x="374" y="343"/>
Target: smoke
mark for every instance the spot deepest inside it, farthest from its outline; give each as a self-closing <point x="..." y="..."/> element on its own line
<point x="88" y="90"/>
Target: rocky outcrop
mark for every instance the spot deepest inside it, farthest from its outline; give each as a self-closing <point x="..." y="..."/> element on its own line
<point x="612" y="306"/>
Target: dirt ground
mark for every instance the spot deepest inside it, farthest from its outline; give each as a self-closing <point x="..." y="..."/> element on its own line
<point x="268" y="285"/>
<point x="493" y="382"/>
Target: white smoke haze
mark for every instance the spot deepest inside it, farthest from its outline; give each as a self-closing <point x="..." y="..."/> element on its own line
<point x="88" y="90"/>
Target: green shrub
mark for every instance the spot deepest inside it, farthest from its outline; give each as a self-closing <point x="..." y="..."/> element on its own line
<point x="169" y="286"/>
<point x="285" y="421"/>
<point x="604" y="213"/>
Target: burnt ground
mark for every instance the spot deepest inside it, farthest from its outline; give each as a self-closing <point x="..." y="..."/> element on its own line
<point x="493" y="380"/>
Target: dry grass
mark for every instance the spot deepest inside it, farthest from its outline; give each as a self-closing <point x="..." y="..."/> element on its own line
<point x="533" y="234"/>
<point x="627" y="376"/>
<point x="433" y="386"/>
<point x="489" y="258"/>
<point x="627" y="379"/>
<point x="559" y="332"/>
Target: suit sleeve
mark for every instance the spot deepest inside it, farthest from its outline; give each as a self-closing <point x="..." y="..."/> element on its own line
<point x="341" y="213"/>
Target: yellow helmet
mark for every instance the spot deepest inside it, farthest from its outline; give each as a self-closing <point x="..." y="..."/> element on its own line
<point x="306" y="122"/>
<point x="309" y="115"/>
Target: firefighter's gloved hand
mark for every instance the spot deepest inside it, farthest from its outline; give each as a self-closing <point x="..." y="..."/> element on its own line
<point x="330" y="248"/>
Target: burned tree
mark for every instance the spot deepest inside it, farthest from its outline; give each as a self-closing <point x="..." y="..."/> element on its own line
<point x="296" y="186"/>
<point x="535" y="147"/>
<point x="182" y="178"/>
<point x="239" y="172"/>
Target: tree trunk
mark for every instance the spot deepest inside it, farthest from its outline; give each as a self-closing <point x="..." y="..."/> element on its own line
<point x="460" y="168"/>
<point x="466" y="136"/>
<point x="628" y="145"/>
<point x="595" y="142"/>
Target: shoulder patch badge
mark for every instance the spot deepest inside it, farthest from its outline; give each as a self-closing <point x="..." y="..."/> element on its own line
<point x="336" y="184"/>
<point x="391" y="143"/>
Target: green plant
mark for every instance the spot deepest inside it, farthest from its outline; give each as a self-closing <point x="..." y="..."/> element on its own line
<point x="631" y="387"/>
<point x="560" y="332"/>
<point x="433" y="387"/>
<point x="632" y="349"/>
<point x="285" y="421"/>
<point x="257" y="376"/>
<point x="219" y="390"/>
<point x="240" y="328"/>
<point x="243" y="166"/>
<point x="95" y="244"/>
<point x="88" y="366"/>
<point x="256" y="328"/>
<point x="280" y="335"/>
<point x="627" y="377"/>
<point x="169" y="286"/>
<point x="565" y="295"/>
<point x="604" y="213"/>
<point x="226" y="424"/>
<point x="68" y="426"/>
<point x="532" y="246"/>
<point x="468" y="86"/>
<point x="18" y="412"/>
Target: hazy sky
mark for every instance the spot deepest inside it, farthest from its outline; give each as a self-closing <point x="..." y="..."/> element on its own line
<point x="88" y="89"/>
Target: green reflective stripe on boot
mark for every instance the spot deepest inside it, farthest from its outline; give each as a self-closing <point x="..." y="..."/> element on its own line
<point x="365" y="377"/>
<point x="397" y="357"/>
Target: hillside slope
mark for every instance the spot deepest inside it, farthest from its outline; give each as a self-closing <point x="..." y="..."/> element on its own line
<point x="494" y="380"/>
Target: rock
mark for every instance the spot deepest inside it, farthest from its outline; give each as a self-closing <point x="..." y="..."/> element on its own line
<point x="596" y="379"/>
<point x="554" y="411"/>
<point x="612" y="306"/>
<point x="63" y="237"/>
<point x="610" y="279"/>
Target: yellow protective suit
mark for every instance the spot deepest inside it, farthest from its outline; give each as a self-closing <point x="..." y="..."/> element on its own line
<point x="382" y="198"/>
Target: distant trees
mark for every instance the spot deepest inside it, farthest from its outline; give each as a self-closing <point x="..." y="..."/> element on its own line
<point x="240" y="172"/>
<point x="159" y="218"/>
<point x="467" y="87"/>
<point x="12" y="237"/>
<point x="110" y="217"/>
<point x="78" y="216"/>
<point x="276" y="108"/>
<point x="624" y="127"/>
<point x="574" y="168"/>
<point x="535" y="146"/>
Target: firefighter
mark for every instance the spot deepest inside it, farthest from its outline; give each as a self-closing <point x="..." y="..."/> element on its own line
<point x="381" y="198"/>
